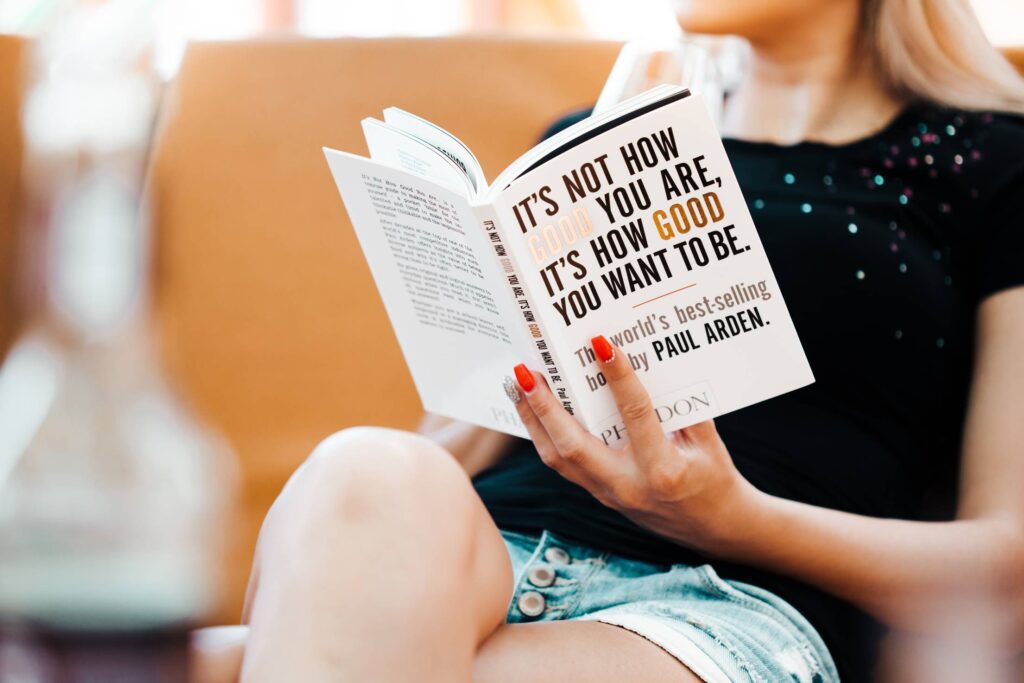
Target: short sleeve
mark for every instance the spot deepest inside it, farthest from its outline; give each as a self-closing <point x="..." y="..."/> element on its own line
<point x="1001" y="263"/>
<point x="563" y="122"/>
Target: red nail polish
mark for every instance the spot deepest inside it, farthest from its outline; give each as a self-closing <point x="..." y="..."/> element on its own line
<point x="525" y="378"/>
<point x="602" y="348"/>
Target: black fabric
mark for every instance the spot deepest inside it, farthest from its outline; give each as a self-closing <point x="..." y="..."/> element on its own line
<point x="883" y="249"/>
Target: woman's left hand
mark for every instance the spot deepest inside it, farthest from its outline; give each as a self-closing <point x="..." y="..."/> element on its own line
<point x="683" y="486"/>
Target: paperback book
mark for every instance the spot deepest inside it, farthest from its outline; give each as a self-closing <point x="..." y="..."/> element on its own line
<point x="629" y="224"/>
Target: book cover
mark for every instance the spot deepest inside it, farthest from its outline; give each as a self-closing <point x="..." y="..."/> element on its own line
<point x="631" y="225"/>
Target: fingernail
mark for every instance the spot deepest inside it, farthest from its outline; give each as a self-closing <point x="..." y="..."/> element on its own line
<point x="511" y="390"/>
<point x="525" y="378"/>
<point x="602" y="348"/>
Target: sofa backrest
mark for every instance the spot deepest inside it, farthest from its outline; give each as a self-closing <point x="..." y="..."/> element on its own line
<point x="268" y="316"/>
<point x="1016" y="57"/>
<point x="12" y="52"/>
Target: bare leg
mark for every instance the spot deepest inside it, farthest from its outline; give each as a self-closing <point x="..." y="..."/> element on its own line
<point x="216" y="654"/>
<point x="908" y="658"/>
<point x="377" y="562"/>
<point x="574" y="651"/>
<point x="552" y="652"/>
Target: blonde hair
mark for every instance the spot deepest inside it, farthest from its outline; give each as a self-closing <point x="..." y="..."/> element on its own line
<point x="936" y="50"/>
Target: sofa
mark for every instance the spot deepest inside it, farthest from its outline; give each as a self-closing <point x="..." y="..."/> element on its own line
<point x="12" y="55"/>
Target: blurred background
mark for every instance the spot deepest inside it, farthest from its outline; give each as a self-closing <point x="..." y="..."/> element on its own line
<point x="184" y="311"/>
<point x="610" y="19"/>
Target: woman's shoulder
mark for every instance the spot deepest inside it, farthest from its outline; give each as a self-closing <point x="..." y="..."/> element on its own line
<point x="973" y="134"/>
<point x="565" y="120"/>
<point x="951" y="120"/>
<point x="981" y="152"/>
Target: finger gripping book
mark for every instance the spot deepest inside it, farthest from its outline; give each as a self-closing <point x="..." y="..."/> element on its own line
<point x="629" y="224"/>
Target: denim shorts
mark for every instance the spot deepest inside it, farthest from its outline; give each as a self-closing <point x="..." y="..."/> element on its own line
<point x="723" y="631"/>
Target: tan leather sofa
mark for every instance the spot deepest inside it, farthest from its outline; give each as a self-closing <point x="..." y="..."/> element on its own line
<point x="11" y="69"/>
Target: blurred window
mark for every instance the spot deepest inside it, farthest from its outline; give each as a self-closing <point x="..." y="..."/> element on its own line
<point x="1003" y="20"/>
<point x="181" y="20"/>
<point x="381" y="17"/>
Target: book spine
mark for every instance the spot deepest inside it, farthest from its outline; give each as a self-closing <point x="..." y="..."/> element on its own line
<point x="545" y="352"/>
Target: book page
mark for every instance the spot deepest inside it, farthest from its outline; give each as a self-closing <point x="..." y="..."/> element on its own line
<point x="441" y="140"/>
<point x="642" y="234"/>
<point x="440" y="286"/>
<point x="397" y="149"/>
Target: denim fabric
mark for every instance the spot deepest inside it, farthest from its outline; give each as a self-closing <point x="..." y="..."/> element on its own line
<point x="724" y="631"/>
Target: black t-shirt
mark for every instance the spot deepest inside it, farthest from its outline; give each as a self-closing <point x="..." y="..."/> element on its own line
<point x="883" y="249"/>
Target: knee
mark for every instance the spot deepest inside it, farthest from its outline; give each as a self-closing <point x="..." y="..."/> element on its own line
<point x="362" y="458"/>
<point x="215" y="653"/>
<point x="373" y="470"/>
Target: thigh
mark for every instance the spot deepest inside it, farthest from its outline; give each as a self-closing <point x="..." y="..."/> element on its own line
<point x="377" y="555"/>
<point x="375" y="506"/>
<point x="550" y="652"/>
<point x="716" y="630"/>
<point x="583" y="651"/>
<point x="215" y="654"/>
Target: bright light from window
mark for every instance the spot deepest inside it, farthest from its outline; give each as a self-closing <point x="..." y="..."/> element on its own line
<point x="24" y="16"/>
<point x="226" y="19"/>
<point x="183" y="20"/>
<point x="381" y="17"/>
<point x="1003" y="20"/>
<point x="620" y="20"/>
<point x="213" y="19"/>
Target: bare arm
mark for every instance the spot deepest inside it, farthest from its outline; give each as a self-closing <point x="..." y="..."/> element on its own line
<point x="475" y="448"/>
<point x="917" y="575"/>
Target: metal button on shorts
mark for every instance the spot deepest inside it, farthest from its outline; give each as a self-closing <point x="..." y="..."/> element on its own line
<point x="541" y="575"/>
<point x="531" y="604"/>
<point x="556" y="555"/>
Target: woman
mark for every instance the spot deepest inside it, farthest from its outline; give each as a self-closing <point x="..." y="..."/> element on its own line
<point x="892" y="210"/>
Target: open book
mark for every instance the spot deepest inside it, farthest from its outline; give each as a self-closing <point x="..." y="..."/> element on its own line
<point x="628" y="224"/>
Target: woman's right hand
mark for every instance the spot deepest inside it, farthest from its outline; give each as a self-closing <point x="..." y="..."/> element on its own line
<point x="476" y="448"/>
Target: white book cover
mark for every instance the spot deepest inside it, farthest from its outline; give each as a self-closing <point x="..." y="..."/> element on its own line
<point x="629" y="225"/>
